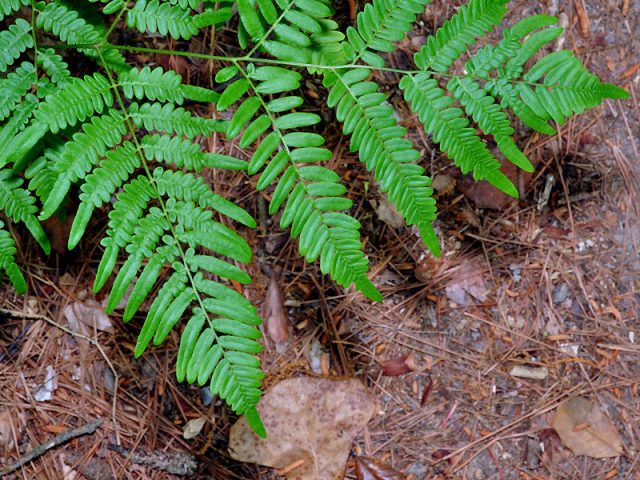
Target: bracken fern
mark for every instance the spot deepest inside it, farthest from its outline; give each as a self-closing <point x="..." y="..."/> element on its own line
<point x="124" y="137"/>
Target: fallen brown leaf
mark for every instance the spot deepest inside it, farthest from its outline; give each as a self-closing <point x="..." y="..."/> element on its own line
<point x="368" y="468"/>
<point x="485" y="195"/>
<point x="586" y="430"/>
<point x="388" y="213"/>
<point x="310" y="419"/>
<point x="86" y="317"/>
<point x="275" y="315"/>
<point x="399" y="366"/>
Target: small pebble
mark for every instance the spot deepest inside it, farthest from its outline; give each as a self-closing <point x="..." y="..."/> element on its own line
<point x="206" y="396"/>
<point x="560" y="293"/>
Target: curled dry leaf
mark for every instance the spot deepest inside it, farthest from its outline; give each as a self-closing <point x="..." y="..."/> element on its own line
<point x="275" y="316"/>
<point x="310" y="422"/>
<point x="586" y="430"/>
<point x="399" y="366"/>
<point x="368" y="468"/>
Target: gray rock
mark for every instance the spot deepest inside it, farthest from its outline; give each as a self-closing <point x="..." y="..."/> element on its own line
<point x="560" y="293"/>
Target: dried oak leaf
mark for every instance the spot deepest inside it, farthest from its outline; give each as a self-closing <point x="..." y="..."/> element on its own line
<point x="368" y="468"/>
<point x="586" y="430"/>
<point x="313" y="420"/>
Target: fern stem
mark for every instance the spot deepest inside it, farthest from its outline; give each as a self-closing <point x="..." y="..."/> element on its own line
<point x="114" y="24"/>
<point x="269" y="61"/>
<point x="35" y="44"/>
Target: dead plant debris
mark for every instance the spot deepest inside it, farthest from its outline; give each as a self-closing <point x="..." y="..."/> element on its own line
<point x="311" y="423"/>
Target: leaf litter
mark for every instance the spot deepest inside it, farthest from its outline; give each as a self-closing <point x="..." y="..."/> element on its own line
<point x="311" y="424"/>
<point x="586" y="430"/>
<point x="368" y="468"/>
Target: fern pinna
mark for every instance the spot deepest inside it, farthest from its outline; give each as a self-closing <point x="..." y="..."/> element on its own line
<point x="125" y="136"/>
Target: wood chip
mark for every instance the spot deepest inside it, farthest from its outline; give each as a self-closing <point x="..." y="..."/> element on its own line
<point x="539" y="373"/>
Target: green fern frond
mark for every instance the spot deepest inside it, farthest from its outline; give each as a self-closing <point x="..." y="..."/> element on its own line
<point x="451" y="130"/>
<point x="556" y="87"/>
<point x="81" y="154"/>
<point x="365" y="115"/>
<point x="19" y="205"/>
<point x="8" y="263"/>
<point x="383" y="148"/>
<point x="15" y="40"/>
<point x="162" y="222"/>
<point x="219" y="343"/>
<point x="156" y="84"/>
<point x="14" y="87"/>
<point x="70" y="27"/>
<point x="381" y="24"/>
<point x="40" y="172"/>
<point x="20" y="117"/>
<point x="55" y="67"/>
<point x="172" y="119"/>
<point x="79" y="100"/>
<point x="490" y="117"/>
<point x="174" y="18"/>
<point x="451" y="40"/>
<point x="292" y="30"/>
<point x="312" y="196"/>
<point x="8" y="7"/>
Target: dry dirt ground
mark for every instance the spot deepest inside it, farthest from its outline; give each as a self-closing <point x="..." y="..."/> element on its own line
<point x="552" y="288"/>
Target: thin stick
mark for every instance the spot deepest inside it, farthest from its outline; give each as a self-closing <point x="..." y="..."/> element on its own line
<point x="59" y="439"/>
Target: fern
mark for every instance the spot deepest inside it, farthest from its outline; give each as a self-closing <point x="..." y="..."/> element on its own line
<point x="13" y="42"/>
<point x="70" y="27"/>
<point x="127" y="140"/>
<point x="19" y="205"/>
<point x="8" y="7"/>
<point x="496" y="80"/>
<point x="158" y="219"/>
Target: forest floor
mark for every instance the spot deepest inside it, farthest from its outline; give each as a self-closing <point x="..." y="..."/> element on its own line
<point x="548" y="284"/>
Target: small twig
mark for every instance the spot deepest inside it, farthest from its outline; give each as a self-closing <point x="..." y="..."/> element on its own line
<point x="178" y="463"/>
<point x="59" y="439"/>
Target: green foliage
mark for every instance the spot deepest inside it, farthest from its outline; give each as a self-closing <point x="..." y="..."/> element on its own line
<point x="555" y="87"/>
<point x="127" y="139"/>
<point x="174" y="18"/>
